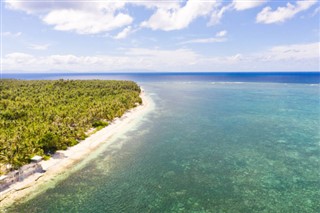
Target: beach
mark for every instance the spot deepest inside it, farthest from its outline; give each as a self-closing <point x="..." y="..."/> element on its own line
<point x="63" y="160"/>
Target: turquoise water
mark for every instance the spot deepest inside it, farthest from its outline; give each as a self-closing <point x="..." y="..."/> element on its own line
<point x="206" y="147"/>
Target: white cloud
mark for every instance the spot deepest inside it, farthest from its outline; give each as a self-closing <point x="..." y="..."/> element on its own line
<point x="158" y="59"/>
<point x="79" y="17"/>
<point x="247" y="4"/>
<point x="29" y="7"/>
<point x="295" y="57"/>
<point x="293" y="52"/>
<point x="177" y="18"/>
<point x="124" y="33"/>
<point x="166" y="5"/>
<point x="217" y="13"/>
<point x="11" y="34"/>
<point x="135" y="58"/>
<point x="44" y="7"/>
<point x="219" y="10"/>
<point x="84" y="22"/>
<point x="281" y="14"/>
<point x="220" y="37"/>
<point x="18" y="60"/>
<point x="221" y="33"/>
<point x="205" y="40"/>
<point x="39" y="46"/>
<point x="103" y="16"/>
<point x="316" y="11"/>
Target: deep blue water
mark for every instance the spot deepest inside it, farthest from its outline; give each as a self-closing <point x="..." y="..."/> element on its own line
<point x="279" y="77"/>
<point x="213" y="143"/>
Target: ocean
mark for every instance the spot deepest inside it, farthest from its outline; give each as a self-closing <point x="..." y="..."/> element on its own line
<point x="237" y="142"/>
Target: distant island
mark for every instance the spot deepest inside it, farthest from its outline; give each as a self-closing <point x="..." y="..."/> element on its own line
<point x="38" y="117"/>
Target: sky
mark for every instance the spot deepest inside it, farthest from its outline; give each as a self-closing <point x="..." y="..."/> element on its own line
<point x="159" y="36"/>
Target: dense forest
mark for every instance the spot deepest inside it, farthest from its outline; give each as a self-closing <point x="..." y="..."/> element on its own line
<point x="39" y="117"/>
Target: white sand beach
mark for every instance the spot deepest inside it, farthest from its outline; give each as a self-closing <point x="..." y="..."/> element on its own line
<point x="62" y="161"/>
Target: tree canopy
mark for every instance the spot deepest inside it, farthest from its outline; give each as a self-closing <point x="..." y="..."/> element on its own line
<point x="38" y="117"/>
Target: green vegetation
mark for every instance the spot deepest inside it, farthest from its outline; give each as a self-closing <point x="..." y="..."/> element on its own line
<point x="40" y="117"/>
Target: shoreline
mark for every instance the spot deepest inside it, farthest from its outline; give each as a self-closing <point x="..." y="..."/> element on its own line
<point x="60" y="163"/>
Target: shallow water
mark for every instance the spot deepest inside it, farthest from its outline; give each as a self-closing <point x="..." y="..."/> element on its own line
<point x="207" y="147"/>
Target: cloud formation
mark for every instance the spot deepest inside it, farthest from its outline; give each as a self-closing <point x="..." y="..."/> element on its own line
<point x="84" y="22"/>
<point x="217" y="14"/>
<point x="124" y="33"/>
<point x="247" y="4"/>
<point x="219" y="10"/>
<point x="221" y="33"/>
<point x="296" y="57"/>
<point x="220" y="37"/>
<point x="293" y="52"/>
<point x="105" y="16"/>
<point x="120" y="19"/>
<point x="177" y="18"/>
<point x="79" y="17"/>
<point x="11" y="34"/>
<point x="133" y="58"/>
<point x="282" y="14"/>
<point x="39" y="46"/>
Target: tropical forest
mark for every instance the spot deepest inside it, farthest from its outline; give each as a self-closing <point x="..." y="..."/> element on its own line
<point x="38" y="117"/>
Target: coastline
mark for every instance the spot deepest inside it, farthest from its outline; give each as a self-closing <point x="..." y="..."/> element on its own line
<point x="63" y="160"/>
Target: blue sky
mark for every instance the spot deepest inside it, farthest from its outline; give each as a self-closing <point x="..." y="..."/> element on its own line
<point x="193" y="35"/>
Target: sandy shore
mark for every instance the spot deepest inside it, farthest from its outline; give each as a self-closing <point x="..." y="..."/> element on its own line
<point x="62" y="161"/>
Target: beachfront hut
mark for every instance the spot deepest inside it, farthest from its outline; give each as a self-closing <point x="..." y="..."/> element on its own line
<point x="3" y="177"/>
<point x="36" y="159"/>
